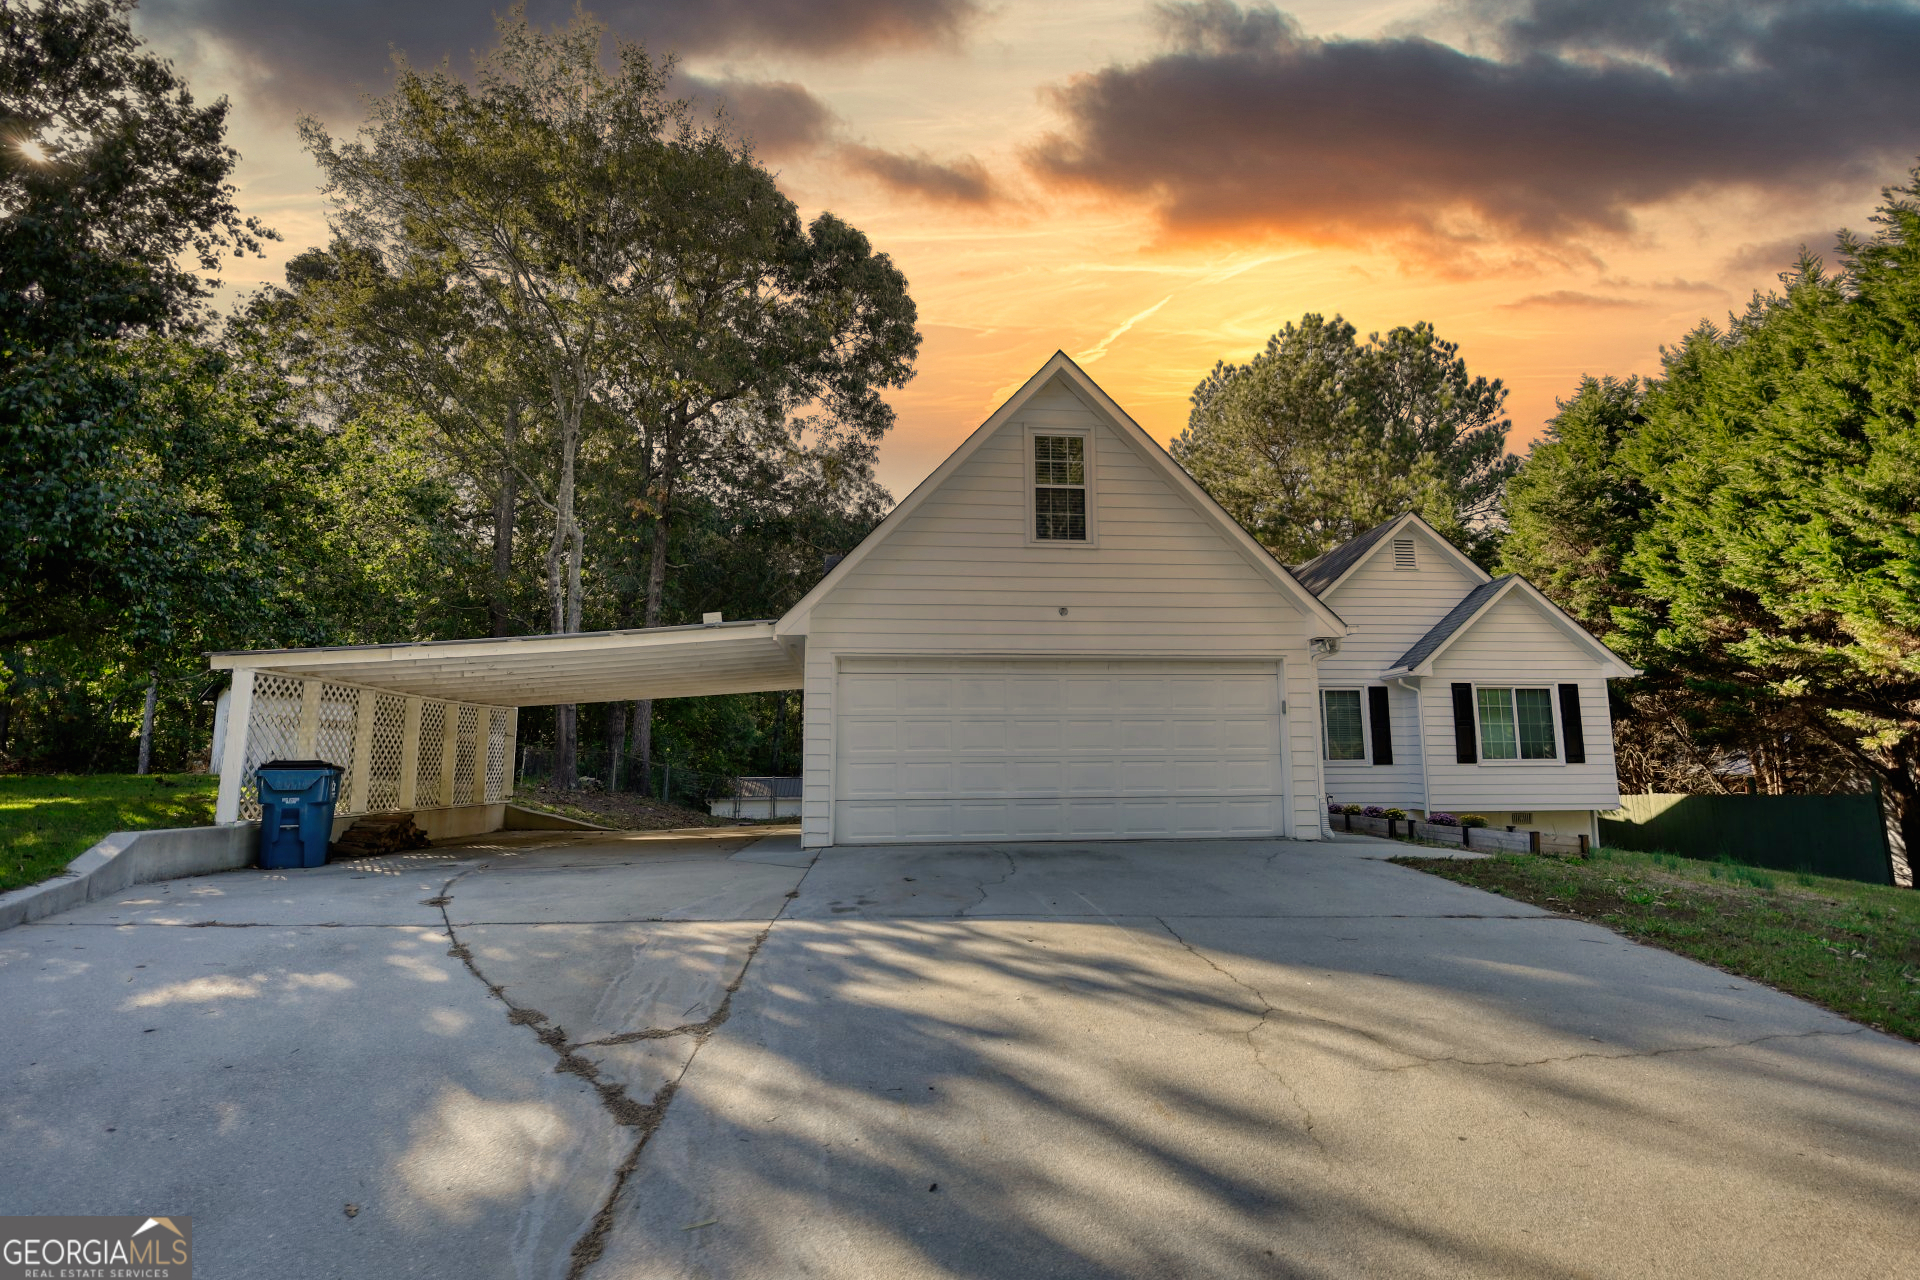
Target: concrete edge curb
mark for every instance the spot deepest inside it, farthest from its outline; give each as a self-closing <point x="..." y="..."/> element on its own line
<point x="520" y="818"/>
<point x="133" y="857"/>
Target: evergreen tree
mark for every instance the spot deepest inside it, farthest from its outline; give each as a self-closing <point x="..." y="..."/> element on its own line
<point x="1320" y="437"/>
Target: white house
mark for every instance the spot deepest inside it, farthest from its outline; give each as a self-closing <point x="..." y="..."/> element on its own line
<point x="1058" y="635"/>
<point x="1456" y="692"/>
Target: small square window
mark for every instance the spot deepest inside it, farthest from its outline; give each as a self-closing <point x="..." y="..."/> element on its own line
<point x="1060" y="488"/>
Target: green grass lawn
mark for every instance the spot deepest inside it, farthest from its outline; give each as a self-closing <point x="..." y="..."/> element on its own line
<point x="48" y="821"/>
<point x="1854" y="948"/>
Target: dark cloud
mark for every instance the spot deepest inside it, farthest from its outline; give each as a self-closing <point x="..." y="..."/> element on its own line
<point x="1569" y="298"/>
<point x="1579" y="113"/>
<point x="1781" y="254"/>
<point x="780" y="118"/>
<point x="320" y="55"/>
<point x="964" y="181"/>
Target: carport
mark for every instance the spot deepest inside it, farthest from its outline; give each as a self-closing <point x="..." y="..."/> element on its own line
<point x="430" y="727"/>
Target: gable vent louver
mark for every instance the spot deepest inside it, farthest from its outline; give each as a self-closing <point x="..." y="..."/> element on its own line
<point x="1403" y="554"/>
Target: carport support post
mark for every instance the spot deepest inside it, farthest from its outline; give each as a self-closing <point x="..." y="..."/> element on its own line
<point x="355" y="799"/>
<point x="409" y="754"/>
<point x="449" y="752"/>
<point x="233" y="758"/>
<point x="303" y="747"/>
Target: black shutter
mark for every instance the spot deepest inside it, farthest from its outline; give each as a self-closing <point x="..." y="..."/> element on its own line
<point x="1465" y="743"/>
<point x="1382" y="727"/>
<point x="1570" y="724"/>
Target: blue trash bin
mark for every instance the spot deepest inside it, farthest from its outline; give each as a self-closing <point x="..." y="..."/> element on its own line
<point x="296" y="812"/>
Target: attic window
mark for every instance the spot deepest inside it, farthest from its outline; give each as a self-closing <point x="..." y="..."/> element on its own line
<point x="1403" y="554"/>
<point x="1060" y="488"/>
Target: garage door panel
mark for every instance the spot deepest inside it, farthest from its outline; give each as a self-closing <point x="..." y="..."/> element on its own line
<point x="919" y="734"/>
<point x="973" y="694"/>
<point x="1092" y="749"/>
<point x="870" y="781"/>
<point x="926" y="693"/>
<point x="982" y="777"/>
<point x="1027" y="736"/>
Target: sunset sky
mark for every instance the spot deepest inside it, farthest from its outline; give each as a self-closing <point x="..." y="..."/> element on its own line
<point x="1559" y="186"/>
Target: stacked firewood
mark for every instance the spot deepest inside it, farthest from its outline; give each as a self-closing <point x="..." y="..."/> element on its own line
<point x="378" y="834"/>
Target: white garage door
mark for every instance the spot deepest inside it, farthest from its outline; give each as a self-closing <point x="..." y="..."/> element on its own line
<point x="1053" y="750"/>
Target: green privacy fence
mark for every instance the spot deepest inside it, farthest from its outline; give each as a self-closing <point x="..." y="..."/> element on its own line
<point x="1839" y="836"/>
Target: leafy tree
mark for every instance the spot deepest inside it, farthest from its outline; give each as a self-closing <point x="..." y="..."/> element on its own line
<point x="113" y="188"/>
<point x="372" y="347"/>
<point x="1748" y="532"/>
<point x="647" y="274"/>
<point x="1320" y="437"/>
<point x="1573" y="508"/>
<point x="1784" y="556"/>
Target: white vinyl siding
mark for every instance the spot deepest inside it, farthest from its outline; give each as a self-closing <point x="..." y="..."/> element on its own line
<point x="1515" y="645"/>
<point x="1386" y="609"/>
<point x="962" y="577"/>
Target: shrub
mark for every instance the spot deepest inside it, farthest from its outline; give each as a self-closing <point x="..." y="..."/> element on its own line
<point x="1472" y="820"/>
<point x="1443" y="819"/>
<point x="1334" y="806"/>
<point x="1373" y="811"/>
<point x="1394" y="813"/>
<point x="1350" y="808"/>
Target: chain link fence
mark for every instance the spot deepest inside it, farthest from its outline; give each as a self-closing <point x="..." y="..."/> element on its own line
<point x="667" y="782"/>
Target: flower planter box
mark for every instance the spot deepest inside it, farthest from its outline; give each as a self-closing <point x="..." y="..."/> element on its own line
<point x="1438" y="834"/>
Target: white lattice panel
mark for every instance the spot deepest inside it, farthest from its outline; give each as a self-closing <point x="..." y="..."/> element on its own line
<point x="466" y="747"/>
<point x="426" y="778"/>
<point x="339" y="717"/>
<point x="273" y="733"/>
<point x="499" y="754"/>
<point x="386" y="752"/>
<point x="361" y="728"/>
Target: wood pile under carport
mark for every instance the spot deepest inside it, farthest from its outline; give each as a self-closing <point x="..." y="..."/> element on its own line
<point x="378" y="834"/>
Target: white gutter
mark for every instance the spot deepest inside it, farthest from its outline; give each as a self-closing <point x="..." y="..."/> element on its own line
<point x="1420" y="732"/>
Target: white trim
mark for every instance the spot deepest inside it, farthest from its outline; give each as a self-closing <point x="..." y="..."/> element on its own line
<point x="233" y="756"/>
<point x="1090" y="485"/>
<point x="1451" y="552"/>
<point x="1555" y="614"/>
<point x="455" y="650"/>
<point x="795" y="620"/>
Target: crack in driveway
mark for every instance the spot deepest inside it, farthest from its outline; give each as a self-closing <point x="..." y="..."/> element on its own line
<point x="1268" y="1009"/>
<point x="644" y="1117"/>
<point x="985" y="885"/>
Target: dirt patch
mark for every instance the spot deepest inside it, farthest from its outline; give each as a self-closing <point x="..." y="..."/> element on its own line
<point x="620" y="810"/>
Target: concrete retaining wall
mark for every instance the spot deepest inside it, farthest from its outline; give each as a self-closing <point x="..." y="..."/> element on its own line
<point x="444" y="824"/>
<point x="133" y="857"/>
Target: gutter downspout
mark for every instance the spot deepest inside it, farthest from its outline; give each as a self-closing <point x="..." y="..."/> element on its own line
<point x="1420" y="731"/>
<point x="1318" y="648"/>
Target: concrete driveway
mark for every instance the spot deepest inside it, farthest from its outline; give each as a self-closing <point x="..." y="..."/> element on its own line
<point x="659" y="1057"/>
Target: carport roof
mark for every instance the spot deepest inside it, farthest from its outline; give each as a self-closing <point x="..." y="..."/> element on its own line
<point x="532" y="671"/>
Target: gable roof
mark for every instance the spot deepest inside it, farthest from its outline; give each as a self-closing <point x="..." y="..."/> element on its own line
<point x="1330" y="568"/>
<point x="1061" y="366"/>
<point x="1474" y="605"/>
